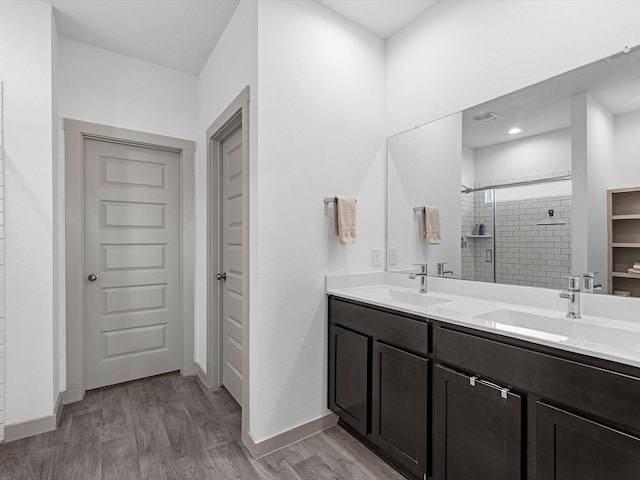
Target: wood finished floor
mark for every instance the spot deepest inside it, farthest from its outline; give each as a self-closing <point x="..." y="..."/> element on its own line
<point x="169" y="427"/>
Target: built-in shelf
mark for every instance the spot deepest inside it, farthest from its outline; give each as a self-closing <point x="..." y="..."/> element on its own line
<point x="623" y="214"/>
<point x="625" y="275"/>
<point x="479" y="236"/>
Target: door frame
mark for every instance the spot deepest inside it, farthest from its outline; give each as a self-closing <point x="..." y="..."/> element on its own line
<point x="235" y="116"/>
<point x="75" y="134"/>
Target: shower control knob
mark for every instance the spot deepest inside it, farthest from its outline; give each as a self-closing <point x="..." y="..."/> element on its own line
<point x="92" y="277"/>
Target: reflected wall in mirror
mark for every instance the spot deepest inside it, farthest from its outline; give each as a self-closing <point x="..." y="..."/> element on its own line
<point x="422" y="166"/>
<point x="533" y="168"/>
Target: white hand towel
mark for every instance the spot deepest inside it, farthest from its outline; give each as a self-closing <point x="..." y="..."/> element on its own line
<point x="345" y="219"/>
<point x="430" y="228"/>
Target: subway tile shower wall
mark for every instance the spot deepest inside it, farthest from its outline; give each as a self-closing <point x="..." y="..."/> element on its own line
<point x="536" y="255"/>
<point x="2" y="298"/>
<point x="525" y="253"/>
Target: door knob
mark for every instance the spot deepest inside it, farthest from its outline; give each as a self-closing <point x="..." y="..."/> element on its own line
<point x="221" y="276"/>
<point x="92" y="277"/>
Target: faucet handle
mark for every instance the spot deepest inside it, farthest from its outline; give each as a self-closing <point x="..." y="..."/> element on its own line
<point x="424" y="267"/>
<point x="588" y="280"/>
<point x="574" y="282"/>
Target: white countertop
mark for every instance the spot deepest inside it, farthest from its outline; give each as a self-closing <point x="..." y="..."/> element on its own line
<point x="608" y="338"/>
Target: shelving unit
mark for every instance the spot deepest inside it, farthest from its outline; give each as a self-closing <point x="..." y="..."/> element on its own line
<point x="623" y="212"/>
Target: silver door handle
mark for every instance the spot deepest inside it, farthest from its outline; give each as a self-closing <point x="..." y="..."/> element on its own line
<point x="221" y="276"/>
<point x="92" y="277"/>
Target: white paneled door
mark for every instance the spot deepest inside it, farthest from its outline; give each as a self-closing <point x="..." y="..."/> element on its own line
<point x="232" y="251"/>
<point x="132" y="324"/>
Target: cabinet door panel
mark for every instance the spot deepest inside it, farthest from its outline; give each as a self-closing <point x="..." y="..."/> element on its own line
<point x="349" y="362"/>
<point x="477" y="432"/>
<point x="571" y="447"/>
<point x="400" y="406"/>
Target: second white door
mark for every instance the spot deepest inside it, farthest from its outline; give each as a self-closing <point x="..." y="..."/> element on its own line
<point x="231" y="256"/>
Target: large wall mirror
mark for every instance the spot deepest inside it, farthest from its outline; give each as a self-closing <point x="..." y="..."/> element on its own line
<point x="530" y="187"/>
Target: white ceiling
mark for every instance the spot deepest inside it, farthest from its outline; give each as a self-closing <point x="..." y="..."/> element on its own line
<point x="546" y="106"/>
<point x="178" y="34"/>
<point x="181" y="34"/>
<point x="382" y="17"/>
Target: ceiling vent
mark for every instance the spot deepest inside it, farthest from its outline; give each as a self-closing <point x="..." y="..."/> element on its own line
<point x="486" y="117"/>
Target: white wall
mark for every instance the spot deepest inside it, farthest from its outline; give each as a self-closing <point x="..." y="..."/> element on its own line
<point x="463" y="53"/>
<point x="536" y="156"/>
<point x="100" y="86"/>
<point x="425" y="168"/>
<point x="26" y="69"/>
<point x="600" y="157"/>
<point x="625" y="172"/>
<point x="320" y="133"/>
<point x="232" y="65"/>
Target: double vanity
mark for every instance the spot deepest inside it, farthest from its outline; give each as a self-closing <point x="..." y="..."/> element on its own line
<point x="463" y="383"/>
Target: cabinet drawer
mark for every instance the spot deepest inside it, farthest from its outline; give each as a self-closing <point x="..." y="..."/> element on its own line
<point x="600" y="392"/>
<point x="394" y="329"/>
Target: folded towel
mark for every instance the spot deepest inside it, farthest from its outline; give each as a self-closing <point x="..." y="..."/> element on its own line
<point x="635" y="271"/>
<point x="636" y="265"/>
<point x="430" y="228"/>
<point x="345" y="219"/>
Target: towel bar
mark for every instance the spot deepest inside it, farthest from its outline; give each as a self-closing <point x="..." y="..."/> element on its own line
<point x="328" y="200"/>
<point x="418" y="209"/>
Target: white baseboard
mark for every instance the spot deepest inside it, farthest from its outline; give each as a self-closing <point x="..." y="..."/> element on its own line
<point x="16" y="431"/>
<point x="270" y="445"/>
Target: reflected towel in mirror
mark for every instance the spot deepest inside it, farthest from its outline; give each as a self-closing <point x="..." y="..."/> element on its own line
<point x="430" y="228"/>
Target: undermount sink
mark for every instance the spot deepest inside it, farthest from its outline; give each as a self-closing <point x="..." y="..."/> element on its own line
<point x="562" y="329"/>
<point x="524" y="320"/>
<point x="416" y="299"/>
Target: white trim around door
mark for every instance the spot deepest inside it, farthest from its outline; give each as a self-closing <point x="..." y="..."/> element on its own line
<point x="75" y="134"/>
<point x="235" y="116"/>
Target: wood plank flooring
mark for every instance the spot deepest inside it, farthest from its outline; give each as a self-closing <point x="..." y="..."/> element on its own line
<point x="168" y="428"/>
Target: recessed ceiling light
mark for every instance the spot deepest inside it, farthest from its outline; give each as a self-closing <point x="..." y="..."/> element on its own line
<point x="515" y="130"/>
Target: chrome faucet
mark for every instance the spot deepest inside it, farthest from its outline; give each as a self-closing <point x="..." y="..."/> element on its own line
<point x="441" y="271"/>
<point x="424" y="268"/>
<point x="588" y="285"/>
<point x="572" y="293"/>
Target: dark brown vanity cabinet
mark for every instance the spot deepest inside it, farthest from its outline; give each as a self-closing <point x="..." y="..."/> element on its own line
<point x="379" y="382"/>
<point x="452" y="403"/>
<point x="477" y="429"/>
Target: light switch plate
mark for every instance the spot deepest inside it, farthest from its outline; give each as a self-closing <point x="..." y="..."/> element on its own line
<point x="376" y="257"/>
<point x="393" y="256"/>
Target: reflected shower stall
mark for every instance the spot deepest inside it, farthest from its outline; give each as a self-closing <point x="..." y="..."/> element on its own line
<point x="517" y="234"/>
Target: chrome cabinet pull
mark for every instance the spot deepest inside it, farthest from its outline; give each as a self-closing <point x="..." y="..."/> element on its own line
<point x="504" y="391"/>
<point x="221" y="276"/>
